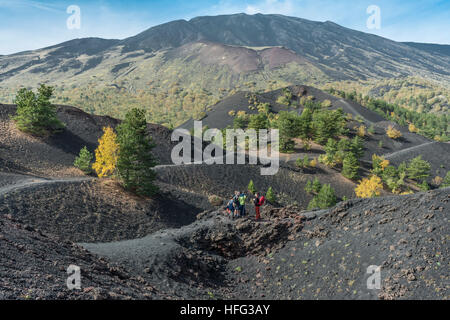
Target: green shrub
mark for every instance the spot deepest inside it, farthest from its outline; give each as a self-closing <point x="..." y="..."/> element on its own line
<point x="317" y="186"/>
<point x="270" y="196"/>
<point x="446" y="181"/>
<point x="303" y="162"/>
<point x="240" y="122"/>
<point x="309" y="187"/>
<point x="424" y="186"/>
<point x="83" y="161"/>
<point x="35" y="114"/>
<point x="251" y="187"/>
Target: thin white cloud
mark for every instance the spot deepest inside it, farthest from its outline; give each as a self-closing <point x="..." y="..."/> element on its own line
<point x="271" y="6"/>
<point x="30" y="4"/>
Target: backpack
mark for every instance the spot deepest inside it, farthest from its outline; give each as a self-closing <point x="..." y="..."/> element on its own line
<point x="262" y="200"/>
<point x="236" y="201"/>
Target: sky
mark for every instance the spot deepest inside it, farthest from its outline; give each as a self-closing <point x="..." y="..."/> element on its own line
<point x="33" y="24"/>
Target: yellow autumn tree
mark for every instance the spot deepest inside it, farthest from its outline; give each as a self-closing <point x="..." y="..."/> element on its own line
<point x="361" y="131"/>
<point x="412" y="128"/>
<point x="106" y="154"/>
<point x="393" y="133"/>
<point x="369" y="187"/>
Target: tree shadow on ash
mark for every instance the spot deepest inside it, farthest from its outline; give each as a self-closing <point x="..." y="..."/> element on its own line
<point x="69" y="142"/>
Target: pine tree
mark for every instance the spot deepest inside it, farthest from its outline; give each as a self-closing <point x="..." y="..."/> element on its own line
<point x="305" y="125"/>
<point x="326" y="198"/>
<point x="446" y="181"/>
<point x="316" y="185"/>
<point x="83" y="161"/>
<point x="418" y="169"/>
<point x="35" y="114"/>
<point x="251" y="187"/>
<point x="270" y="196"/>
<point x="289" y="125"/>
<point x="350" y="166"/>
<point x="135" y="161"/>
<point x="258" y="121"/>
<point x="106" y="154"/>
<point x="328" y="124"/>
<point x="309" y="187"/>
<point x="392" y="179"/>
<point x="357" y="147"/>
<point x="331" y="149"/>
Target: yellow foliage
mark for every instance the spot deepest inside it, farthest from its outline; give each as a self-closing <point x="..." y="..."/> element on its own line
<point x="382" y="162"/>
<point x="106" y="154"/>
<point x="232" y="113"/>
<point x="412" y="128"/>
<point x="326" y="103"/>
<point x="406" y="193"/>
<point x="361" y="131"/>
<point x="393" y="133"/>
<point x="241" y="113"/>
<point x="313" y="163"/>
<point x="437" y="180"/>
<point x="369" y="188"/>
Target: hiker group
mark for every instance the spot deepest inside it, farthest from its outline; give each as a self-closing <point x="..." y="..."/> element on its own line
<point x="236" y="206"/>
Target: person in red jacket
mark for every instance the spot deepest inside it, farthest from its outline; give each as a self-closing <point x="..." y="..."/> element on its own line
<point x="258" y="201"/>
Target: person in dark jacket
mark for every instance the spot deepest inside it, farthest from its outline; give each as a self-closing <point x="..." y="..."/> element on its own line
<point x="236" y="204"/>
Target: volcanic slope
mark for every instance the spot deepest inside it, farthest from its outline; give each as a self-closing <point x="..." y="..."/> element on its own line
<point x="219" y="116"/>
<point x="37" y="179"/>
<point x="33" y="266"/>
<point x="174" y="69"/>
<point x="242" y="42"/>
<point x="54" y="156"/>
<point x="302" y="255"/>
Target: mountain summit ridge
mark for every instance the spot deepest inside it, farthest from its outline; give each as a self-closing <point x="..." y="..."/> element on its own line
<point x="340" y="52"/>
